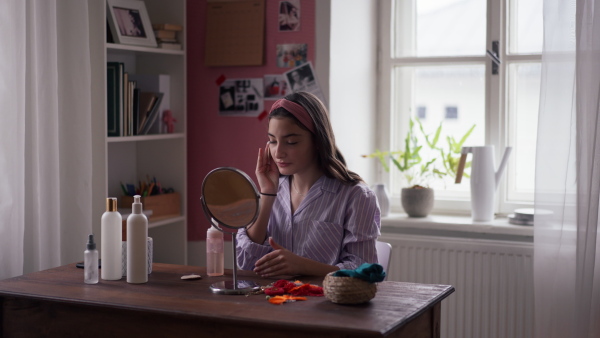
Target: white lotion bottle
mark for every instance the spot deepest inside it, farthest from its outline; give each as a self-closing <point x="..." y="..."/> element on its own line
<point x="90" y="262"/>
<point x="137" y="246"/>
<point x="111" y="243"/>
<point x="214" y="252"/>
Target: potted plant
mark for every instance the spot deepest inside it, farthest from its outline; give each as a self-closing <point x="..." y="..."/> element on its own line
<point x="417" y="197"/>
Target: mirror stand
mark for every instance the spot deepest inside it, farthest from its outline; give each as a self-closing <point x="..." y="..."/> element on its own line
<point x="234" y="287"/>
<point x="230" y="201"/>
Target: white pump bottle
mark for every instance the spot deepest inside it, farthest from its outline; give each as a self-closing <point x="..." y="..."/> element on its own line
<point x="137" y="247"/>
<point x="111" y="247"/>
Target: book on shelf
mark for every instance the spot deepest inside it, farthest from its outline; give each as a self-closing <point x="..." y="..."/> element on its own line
<point x="149" y="118"/>
<point x="136" y="110"/>
<point x="155" y="83"/>
<point x="167" y="41"/>
<point x="135" y="102"/>
<point x="129" y="118"/>
<point x="131" y="113"/>
<point x="146" y="104"/>
<point x="114" y="94"/>
<point x="167" y="27"/>
<point x="169" y="45"/>
<point x="165" y="34"/>
<point x="125" y="116"/>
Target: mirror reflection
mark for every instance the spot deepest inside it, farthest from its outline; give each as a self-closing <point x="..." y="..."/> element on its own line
<point x="230" y="197"/>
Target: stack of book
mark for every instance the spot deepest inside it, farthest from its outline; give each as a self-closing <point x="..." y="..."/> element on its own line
<point x="166" y="35"/>
<point x="135" y="102"/>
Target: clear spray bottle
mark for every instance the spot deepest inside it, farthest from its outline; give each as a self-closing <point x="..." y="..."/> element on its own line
<point x="90" y="262"/>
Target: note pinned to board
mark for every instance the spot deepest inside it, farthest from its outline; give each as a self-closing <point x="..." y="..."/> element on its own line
<point x="235" y="32"/>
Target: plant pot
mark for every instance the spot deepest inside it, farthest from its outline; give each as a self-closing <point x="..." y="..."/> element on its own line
<point x="417" y="202"/>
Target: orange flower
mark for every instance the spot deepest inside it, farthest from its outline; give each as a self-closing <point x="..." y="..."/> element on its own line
<point x="307" y="290"/>
<point x="278" y="300"/>
<point x="296" y="288"/>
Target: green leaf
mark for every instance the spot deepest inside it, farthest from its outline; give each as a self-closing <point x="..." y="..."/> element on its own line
<point x="464" y="138"/>
<point x="411" y="162"/>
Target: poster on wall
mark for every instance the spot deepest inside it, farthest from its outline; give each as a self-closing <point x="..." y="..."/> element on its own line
<point x="291" y="55"/>
<point x="276" y="87"/>
<point x="241" y="97"/>
<point x="289" y="16"/>
<point x="303" y="79"/>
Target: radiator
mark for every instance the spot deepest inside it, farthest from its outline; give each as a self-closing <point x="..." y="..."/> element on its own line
<point x="493" y="282"/>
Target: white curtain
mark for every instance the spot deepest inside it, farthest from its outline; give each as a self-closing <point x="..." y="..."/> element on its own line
<point x="567" y="250"/>
<point x="45" y="134"/>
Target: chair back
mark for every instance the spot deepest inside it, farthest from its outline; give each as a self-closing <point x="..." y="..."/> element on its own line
<point x="384" y="252"/>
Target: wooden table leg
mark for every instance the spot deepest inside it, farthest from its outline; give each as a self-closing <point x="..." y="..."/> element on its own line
<point x="435" y="320"/>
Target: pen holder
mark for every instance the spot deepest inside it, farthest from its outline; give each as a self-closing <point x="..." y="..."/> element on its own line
<point x="124" y="256"/>
<point x="163" y="205"/>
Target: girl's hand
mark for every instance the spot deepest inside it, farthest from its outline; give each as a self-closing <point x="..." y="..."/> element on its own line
<point x="267" y="172"/>
<point x="279" y="262"/>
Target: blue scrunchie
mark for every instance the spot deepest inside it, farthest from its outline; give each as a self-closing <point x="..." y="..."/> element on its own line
<point x="371" y="273"/>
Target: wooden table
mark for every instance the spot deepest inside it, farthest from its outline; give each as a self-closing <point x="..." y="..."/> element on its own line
<point x="56" y="303"/>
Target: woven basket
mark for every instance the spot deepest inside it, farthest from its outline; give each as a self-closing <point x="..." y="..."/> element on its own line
<point x="348" y="290"/>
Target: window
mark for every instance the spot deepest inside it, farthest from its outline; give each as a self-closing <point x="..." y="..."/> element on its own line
<point x="435" y="65"/>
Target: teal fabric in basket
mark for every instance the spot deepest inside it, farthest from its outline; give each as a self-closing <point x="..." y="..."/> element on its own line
<point x="371" y="273"/>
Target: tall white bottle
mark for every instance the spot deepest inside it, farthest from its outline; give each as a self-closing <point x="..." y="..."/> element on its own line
<point x="137" y="247"/>
<point x="111" y="243"/>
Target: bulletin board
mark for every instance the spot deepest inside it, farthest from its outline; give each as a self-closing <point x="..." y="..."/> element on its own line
<point x="235" y="32"/>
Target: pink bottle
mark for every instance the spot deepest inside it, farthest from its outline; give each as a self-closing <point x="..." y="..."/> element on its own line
<point x="214" y="252"/>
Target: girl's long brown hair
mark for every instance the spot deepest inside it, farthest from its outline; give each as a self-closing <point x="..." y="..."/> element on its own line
<point x="329" y="156"/>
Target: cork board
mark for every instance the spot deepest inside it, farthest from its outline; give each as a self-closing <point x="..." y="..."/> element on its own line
<point x="235" y="32"/>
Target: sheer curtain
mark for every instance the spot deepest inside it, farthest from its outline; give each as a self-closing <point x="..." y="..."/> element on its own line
<point x="567" y="254"/>
<point x="45" y="134"/>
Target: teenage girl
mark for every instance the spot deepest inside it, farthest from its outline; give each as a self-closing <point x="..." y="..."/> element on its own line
<point x="316" y="216"/>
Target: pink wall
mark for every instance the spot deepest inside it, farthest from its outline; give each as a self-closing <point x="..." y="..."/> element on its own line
<point x="217" y="141"/>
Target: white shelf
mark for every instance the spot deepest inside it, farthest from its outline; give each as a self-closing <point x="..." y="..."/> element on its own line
<point x="154" y="137"/>
<point x="130" y="159"/>
<point x="461" y="226"/>
<point x="142" y="49"/>
<point x="166" y="221"/>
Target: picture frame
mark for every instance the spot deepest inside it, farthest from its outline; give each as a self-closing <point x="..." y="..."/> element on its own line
<point x="129" y="23"/>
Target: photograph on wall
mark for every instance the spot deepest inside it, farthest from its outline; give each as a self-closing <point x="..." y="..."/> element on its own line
<point x="241" y="97"/>
<point x="289" y="16"/>
<point x="291" y="55"/>
<point x="276" y="87"/>
<point x="303" y="79"/>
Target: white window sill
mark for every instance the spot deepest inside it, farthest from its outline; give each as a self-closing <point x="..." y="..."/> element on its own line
<point x="455" y="226"/>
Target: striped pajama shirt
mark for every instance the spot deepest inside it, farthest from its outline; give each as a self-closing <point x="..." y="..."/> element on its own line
<point x="335" y="224"/>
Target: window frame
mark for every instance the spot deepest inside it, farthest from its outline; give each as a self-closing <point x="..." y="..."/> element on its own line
<point x="496" y="101"/>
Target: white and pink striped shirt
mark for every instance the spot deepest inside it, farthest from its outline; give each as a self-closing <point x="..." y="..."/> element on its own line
<point x="335" y="224"/>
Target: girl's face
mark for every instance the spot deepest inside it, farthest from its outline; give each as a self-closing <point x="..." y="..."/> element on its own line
<point x="292" y="148"/>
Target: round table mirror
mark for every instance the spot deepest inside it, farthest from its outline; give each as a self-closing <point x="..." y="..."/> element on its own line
<point x="230" y="202"/>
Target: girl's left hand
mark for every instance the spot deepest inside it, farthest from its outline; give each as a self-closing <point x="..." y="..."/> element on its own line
<point x="266" y="171"/>
<point x="278" y="262"/>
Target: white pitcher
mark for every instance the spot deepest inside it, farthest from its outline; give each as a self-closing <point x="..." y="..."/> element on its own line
<point x="484" y="179"/>
<point x="383" y="198"/>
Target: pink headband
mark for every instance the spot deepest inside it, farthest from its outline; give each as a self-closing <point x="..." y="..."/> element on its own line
<point x="297" y="110"/>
